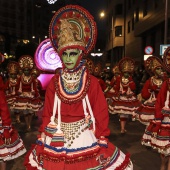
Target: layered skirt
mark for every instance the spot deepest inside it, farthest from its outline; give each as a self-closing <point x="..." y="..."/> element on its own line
<point x="78" y="148"/>
<point x="126" y="105"/>
<point x="28" y="102"/>
<point x="14" y="149"/>
<point x="160" y="141"/>
<point x="145" y="113"/>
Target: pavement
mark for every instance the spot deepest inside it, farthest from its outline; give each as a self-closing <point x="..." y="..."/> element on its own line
<point x="143" y="158"/>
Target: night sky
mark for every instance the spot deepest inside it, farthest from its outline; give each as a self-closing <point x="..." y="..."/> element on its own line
<point x="95" y="7"/>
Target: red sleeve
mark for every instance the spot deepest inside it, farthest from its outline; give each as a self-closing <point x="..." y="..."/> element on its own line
<point x="48" y="105"/>
<point x="113" y="81"/>
<point x="146" y="90"/>
<point x="117" y="84"/>
<point x="160" y="102"/>
<point x="99" y="107"/>
<point x="1" y="84"/>
<point x="5" y="115"/>
<point x="102" y="84"/>
<point x="132" y="84"/>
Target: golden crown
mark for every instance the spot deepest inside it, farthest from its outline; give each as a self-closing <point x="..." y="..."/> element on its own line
<point x="126" y="65"/>
<point x="26" y="61"/>
<point x="73" y="27"/>
<point x="13" y="67"/>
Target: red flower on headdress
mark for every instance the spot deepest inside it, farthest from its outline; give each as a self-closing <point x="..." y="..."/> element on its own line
<point x="56" y="27"/>
<point x="64" y="15"/>
<point x="78" y="15"/>
<point x="70" y="13"/>
<point x="87" y="29"/>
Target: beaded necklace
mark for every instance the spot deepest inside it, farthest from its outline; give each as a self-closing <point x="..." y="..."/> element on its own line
<point x="72" y="86"/>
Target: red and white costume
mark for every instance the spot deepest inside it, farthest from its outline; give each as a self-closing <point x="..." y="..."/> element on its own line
<point x="11" y="88"/>
<point x="126" y="102"/>
<point x="82" y="148"/>
<point x="28" y="95"/>
<point x="150" y="91"/>
<point x="16" y="147"/>
<point x="157" y="134"/>
<point x="161" y="123"/>
<point x="111" y="94"/>
<point x="12" y="84"/>
<point x="28" y="99"/>
<point x="75" y="126"/>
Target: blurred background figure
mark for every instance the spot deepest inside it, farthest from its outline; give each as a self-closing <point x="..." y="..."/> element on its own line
<point x="126" y="103"/>
<point x="12" y="87"/>
<point x="146" y="112"/>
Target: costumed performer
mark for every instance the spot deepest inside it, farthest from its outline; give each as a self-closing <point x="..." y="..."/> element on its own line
<point x="157" y="134"/>
<point x="75" y="116"/>
<point x="11" y="145"/>
<point x="97" y="74"/>
<point x="111" y="94"/>
<point x="126" y="103"/>
<point x="146" y="112"/>
<point x="35" y="72"/>
<point x="28" y="91"/>
<point x="12" y="87"/>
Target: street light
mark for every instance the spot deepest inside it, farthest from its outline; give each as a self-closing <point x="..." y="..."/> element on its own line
<point x="102" y="15"/>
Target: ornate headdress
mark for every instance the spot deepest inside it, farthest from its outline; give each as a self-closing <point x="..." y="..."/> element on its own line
<point x="97" y="69"/>
<point x="90" y="65"/>
<point x="151" y="63"/>
<point x="35" y="71"/>
<point x="115" y="69"/>
<point x="127" y="64"/>
<point x="26" y="61"/>
<point x="166" y="59"/>
<point x="73" y="27"/>
<point x="13" y="67"/>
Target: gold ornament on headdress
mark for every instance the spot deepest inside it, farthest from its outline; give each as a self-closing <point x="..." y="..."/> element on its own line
<point x="166" y="59"/>
<point x="13" y="67"/>
<point x="70" y="34"/>
<point x="35" y="71"/>
<point x="90" y="65"/>
<point x="26" y="61"/>
<point x="154" y="64"/>
<point x="126" y="65"/>
<point x="115" y="70"/>
<point x="97" y="69"/>
<point x="151" y="63"/>
<point x="73" y="27"/>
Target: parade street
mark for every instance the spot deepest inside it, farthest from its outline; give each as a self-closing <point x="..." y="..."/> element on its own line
<point x="143" y="158"/>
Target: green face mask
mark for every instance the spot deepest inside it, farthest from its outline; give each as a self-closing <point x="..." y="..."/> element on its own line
<point x="126" y="74"/>
<point x="26" y="71"/>
<point x="159" y="72"/>
<point x="70" y="57"/>
<point x="13" y="76"/>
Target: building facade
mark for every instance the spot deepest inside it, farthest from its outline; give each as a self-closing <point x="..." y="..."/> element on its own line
<point x="135" y="25"/>
<point x="23" y="21"/>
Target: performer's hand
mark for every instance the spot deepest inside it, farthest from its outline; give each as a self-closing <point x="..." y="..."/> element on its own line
<point x="7" y="141"/>
<point x="43" y="135"/>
